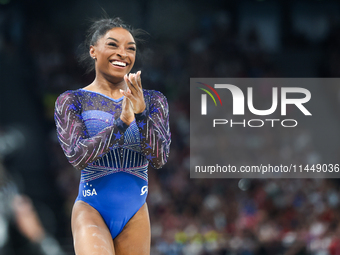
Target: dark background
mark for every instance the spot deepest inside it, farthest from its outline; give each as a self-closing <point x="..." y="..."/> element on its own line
<point x="290" y="38"/>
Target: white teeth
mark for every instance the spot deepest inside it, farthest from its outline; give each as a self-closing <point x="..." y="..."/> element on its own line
<point x="118" y="63"/>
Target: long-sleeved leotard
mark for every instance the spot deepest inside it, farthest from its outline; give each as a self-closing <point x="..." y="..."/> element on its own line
<point x="112" y="156"/>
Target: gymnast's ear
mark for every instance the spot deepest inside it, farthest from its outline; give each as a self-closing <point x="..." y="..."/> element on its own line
<point x="92" y="52"/>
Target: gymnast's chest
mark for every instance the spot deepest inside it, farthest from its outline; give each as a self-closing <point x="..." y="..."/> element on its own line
<point x="96" y="120"/>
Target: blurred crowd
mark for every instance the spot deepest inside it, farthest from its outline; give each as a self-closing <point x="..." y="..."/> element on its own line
<point x="188" y="216"/>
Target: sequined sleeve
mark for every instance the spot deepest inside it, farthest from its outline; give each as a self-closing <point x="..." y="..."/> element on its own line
<point x="79" y="148"/>
<point x="154" y="129"/>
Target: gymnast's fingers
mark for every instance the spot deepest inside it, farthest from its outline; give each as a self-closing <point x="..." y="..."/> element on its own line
<point x="132" y="82"/>
<point x="139" y="79"/>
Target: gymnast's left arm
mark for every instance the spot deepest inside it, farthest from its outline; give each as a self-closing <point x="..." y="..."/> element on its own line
<point x="152" y="117"/>
<point x="153" y="124"/>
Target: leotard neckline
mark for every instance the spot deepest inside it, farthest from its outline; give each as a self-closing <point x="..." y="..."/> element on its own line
<point x="115" y="100"/>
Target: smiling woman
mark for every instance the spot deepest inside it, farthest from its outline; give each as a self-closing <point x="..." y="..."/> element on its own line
<point x="111" y="130"/>
<point x="115" y="55"/>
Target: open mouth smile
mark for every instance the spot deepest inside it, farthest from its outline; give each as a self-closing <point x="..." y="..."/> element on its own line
<point x="119" y="64"/>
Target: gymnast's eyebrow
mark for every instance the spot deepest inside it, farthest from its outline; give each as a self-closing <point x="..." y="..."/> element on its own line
<point x="118" y="41"/>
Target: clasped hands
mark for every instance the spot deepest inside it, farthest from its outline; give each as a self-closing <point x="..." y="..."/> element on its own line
<point x="133" y="101"/>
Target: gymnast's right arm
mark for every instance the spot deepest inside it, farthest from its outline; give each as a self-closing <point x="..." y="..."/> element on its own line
<point x="79" y="148"/>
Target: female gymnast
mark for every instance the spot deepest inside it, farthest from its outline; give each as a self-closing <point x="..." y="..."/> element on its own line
<point x="111" y="130"/>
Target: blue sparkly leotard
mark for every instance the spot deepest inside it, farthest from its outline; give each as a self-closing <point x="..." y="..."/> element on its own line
<point x="112" y="156"/>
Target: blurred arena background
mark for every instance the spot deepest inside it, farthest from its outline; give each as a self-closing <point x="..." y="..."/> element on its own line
<point x="237" y="38"/>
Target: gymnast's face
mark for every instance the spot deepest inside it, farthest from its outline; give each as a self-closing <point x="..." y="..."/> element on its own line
<point x="115" y="53"/>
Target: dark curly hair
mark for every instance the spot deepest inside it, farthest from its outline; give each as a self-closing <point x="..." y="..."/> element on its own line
<point x="98" y="29"/>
